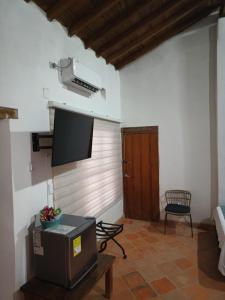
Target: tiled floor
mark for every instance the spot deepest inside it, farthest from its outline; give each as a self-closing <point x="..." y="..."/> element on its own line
<point x="164" y="267"/>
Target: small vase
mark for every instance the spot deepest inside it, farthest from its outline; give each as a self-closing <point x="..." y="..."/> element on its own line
<point x="51" y="223"/>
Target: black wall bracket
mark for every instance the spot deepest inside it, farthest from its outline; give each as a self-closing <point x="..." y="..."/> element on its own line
<point x="36" y="141"/>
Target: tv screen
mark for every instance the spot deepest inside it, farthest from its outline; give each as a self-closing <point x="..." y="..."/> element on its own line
<point x="72" y="137"/>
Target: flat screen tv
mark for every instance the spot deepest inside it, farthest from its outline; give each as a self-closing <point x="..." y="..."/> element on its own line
<point x="72" y="137"/>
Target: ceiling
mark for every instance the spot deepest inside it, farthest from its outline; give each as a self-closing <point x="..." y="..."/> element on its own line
<point x="123" y="30"/>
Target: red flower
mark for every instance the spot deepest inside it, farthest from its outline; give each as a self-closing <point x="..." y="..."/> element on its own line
<point x="49" y="213"/>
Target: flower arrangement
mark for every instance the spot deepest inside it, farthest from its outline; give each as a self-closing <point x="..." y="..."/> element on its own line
<point x="50" y="216"/>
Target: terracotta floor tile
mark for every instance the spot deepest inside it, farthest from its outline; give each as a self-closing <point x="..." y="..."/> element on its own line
<point x="122" y="267"/>
<point x="143" y="233"/>
<point x="183" y="263"/>
<point x="119" y="285"/>
<point x="95" y="296"/>
<point x="126" y="245"/>
<point x="163" y="285"/>
<point x="168" y="268"/>
<point x="216" y="295"/>
<point x="194" y="271"/>
<point x="134" y="254"/>
<point x="174" y="295"/>
<point x="159" y="257"/>
<point x="122" y="272"/>
<point x="159" y="246"/>
<point x="125" y="221"/>
<point x="150" y="239"/>
<point x="134" y="279"/>
<point x="182" y="279"/>
<point x="147" y="251"/>
<point x="131" y="236"/>
<point x="125" y="295"/>
<point x="196" y="292"/>
<point x="174" y="243"/>
<point x="144" y="292"/>
<point x="97" y="293"/>
<point x="151" y="273"/>
<point x="139" y="264"/>
<point x="140" y="243"/>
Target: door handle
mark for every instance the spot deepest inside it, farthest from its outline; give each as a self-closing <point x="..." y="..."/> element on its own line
<point x="126" y="175"/>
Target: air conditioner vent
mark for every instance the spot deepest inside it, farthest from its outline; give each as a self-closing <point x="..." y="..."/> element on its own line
<point x="85" y="85"/>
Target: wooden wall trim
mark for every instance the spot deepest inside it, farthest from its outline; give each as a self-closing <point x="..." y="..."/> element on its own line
<point x="144" y="129"/>
<point x="8" y="113"/>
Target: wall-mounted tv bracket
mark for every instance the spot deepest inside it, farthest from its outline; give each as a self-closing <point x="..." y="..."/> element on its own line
<point x="36" y="141"/>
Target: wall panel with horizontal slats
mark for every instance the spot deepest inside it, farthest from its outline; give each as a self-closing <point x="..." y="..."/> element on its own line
<point x="91" y="186"/>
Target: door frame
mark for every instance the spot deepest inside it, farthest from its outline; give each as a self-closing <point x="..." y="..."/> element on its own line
<point x="141" y="130"/>
<point x="145" y="129"/>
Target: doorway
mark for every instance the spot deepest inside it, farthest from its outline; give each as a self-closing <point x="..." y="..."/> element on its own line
<point x="141" y="172"/>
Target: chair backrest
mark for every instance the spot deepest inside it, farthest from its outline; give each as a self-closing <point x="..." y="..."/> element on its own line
<point x="178" y="197"/>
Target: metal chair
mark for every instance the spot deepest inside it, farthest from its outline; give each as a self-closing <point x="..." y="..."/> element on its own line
<point x="178" y="204"/>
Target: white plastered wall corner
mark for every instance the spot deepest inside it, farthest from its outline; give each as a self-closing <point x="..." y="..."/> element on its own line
<point x="7" y="257"/>
<point x="221" y="109"/>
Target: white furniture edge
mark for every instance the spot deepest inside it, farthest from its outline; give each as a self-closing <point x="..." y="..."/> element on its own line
<point x="220" y="227"/>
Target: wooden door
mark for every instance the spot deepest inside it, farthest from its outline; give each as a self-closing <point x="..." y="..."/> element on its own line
<point x="141" y="172"/>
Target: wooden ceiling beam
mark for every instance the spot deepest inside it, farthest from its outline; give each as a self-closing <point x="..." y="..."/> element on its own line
<point x="91" y="16"/>
<point x="168" y="33"/>
<point x="169" y="21"/>
<point x="153" y="16"/>
<point x="116" y="23"/>
<point x="58" y="9"/>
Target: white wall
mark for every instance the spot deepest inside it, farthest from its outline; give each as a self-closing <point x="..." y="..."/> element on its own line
<point x="221" y="109"/>
<point x="28" y="43"/>
<point x="169" y="87"/>
<point x="7" y="264"/>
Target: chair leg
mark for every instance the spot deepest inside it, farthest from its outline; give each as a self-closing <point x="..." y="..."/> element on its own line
<point x="165" y="223"/>
<point x="191" y="225"/>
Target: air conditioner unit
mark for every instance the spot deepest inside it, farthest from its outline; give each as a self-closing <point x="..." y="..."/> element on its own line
<point x="79" y="77"/>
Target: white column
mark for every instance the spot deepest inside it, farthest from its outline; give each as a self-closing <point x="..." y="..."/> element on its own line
<point x="221" y="110"/>
<point x="7" y="251"/>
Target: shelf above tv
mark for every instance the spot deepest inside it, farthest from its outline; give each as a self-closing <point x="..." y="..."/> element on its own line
<point x="54" y="104"/>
